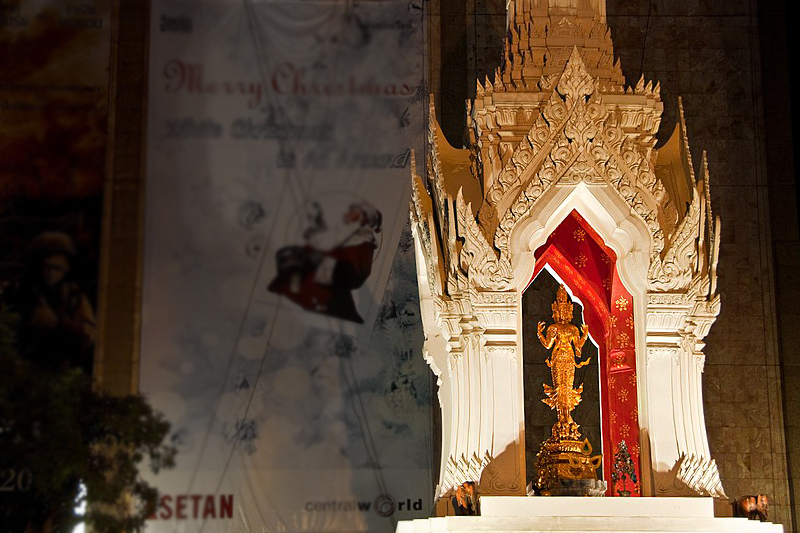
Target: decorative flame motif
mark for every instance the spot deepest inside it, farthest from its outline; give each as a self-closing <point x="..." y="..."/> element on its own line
<point x="623" y="341"/>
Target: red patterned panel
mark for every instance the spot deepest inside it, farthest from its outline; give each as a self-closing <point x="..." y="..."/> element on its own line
<point x="622" y="377"/>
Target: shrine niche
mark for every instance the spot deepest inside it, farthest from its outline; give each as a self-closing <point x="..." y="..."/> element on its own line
<point x="578" y="256"/>
<point x="564" y="463"/>
<point x="537" y="302"/>
<point x="561" y="172"/>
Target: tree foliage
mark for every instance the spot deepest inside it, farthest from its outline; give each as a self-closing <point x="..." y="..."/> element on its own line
<point x="57" y="433"/>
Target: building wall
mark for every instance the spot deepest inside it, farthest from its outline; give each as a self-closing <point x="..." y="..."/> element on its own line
<point x="780" y="137"/>
<point x="736" y="108"/>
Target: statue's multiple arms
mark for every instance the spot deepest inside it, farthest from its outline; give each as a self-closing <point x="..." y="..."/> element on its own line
<point x="548" y="339"/>
<point x="579" y="342"/>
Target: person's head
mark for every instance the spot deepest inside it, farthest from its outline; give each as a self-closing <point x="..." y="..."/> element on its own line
<point x="55" y="268"/>
<point x="50" y="256"/>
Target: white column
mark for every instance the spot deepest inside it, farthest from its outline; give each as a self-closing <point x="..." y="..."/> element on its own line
<point x="680" y="459"/>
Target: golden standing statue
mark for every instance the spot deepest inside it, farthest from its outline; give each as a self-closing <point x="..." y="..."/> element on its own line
<point x="565" y="464"/>
<point x="562" y="362"/>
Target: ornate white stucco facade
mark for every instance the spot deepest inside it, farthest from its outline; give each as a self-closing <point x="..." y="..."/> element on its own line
<point x="555" y="131"/>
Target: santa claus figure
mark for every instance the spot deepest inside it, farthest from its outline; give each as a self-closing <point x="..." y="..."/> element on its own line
<point x="321" y="275"/>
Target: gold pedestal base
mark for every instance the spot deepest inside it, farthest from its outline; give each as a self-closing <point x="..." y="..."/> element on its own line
<point x="564" y="460"/>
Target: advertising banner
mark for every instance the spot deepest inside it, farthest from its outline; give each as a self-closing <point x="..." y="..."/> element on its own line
<point x="280" y="332"/>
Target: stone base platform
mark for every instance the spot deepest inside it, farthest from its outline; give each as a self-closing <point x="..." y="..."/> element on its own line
<point x="575" y="514"/>
<point x="578" y="487"/>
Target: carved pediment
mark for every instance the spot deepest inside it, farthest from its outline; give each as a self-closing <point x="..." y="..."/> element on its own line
<point x="578" y="137"/>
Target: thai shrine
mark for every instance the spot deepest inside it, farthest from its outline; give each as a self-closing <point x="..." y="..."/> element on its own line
<point x="567" y="278"/>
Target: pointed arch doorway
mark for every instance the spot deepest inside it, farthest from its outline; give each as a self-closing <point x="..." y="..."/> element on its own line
<point x="574" y="254"/>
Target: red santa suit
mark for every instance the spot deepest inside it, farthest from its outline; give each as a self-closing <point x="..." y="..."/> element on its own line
<point x="321" y="275"/>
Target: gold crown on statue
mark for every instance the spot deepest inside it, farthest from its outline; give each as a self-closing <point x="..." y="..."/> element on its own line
<point x="562" y="307"/>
